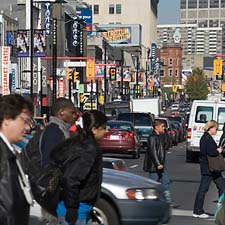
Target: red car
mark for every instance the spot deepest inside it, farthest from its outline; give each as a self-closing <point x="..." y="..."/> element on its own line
<point x="120" y="137"/>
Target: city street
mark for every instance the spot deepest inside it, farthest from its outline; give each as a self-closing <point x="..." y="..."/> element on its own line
<point x="184" y="184"/>
<point x="185" y="179"/>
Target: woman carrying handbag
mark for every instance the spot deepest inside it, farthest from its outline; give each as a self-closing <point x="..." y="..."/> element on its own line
<point x="208" y="148"/>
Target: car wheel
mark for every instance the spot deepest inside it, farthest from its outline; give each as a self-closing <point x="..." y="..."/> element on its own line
<point x="106" y="213"/>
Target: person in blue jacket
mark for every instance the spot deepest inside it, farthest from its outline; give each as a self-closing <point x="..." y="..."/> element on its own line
<point x="207" y="147"/>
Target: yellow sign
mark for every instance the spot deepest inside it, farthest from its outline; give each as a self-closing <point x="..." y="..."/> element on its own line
<point x="90" y="69"/>
<point x="82" y="98"/>
<point x="218" y="67"/>
<point x="223" y="87"/>
<point x="117" y="34"/>
<point x="174" y="88"/>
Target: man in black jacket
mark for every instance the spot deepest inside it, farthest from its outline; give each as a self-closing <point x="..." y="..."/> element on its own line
<point x="15" y="112"/>
<point x="155" y="156"/>
<point x="63" y="116"/>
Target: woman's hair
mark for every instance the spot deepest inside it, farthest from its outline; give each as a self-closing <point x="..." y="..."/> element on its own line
<point x="210" y="124"/>
<point x="93" y="118"/>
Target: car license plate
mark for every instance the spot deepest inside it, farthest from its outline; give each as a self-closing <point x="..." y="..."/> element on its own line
<point x="114" y="137"/>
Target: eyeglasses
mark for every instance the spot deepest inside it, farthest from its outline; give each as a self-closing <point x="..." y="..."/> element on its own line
<point x="26" y="121"/>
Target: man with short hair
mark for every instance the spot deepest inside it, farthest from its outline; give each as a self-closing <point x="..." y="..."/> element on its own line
<point x="63" y="116"/>
<point x="15" y="113"/>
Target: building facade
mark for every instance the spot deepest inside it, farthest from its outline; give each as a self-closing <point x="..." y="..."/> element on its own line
<point x="128" y="12"/>
<point x="209" y="15"/>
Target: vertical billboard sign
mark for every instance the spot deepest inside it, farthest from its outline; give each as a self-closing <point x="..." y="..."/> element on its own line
<point x="47" y="23"/>
<point x="14" y="80"/>
<point x="39" y="43"/>
<point x="22" y="44"/>
<point x="86" y="15"/>
<point x="5" y="61"/>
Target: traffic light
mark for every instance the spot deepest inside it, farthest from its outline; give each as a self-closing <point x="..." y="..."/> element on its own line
<point x="75" y="76"/>
<point x="218" y="67"/>
<point x="112" y="73"/>
<point x="69" y="73"/>
<point x="174" y="88"/>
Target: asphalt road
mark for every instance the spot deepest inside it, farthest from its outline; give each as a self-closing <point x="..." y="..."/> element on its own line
<point x="185" y="178"/>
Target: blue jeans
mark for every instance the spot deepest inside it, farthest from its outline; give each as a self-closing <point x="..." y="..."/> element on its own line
<point x="161" y="177"/>
<point x="206" y="180"/>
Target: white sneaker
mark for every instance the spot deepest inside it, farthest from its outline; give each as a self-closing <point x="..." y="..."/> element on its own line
<point x="201" y="216"/>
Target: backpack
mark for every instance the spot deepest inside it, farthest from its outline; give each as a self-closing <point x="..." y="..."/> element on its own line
<point x="220" y="211"/>
<point x="44" y="181"/>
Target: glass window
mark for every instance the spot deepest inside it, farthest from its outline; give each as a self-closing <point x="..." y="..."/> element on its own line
<point x="192" y="4"/>
<point x="170" y="72"/>
<point x="162" y="73"/>
<point x="213" y="23"/>
<point x="118" y="8"/>
<point x="203" y="3"/>
<point x="222" y="3"/>
<point x="221" y="115"/>
<point x="183" y="4"/>
<point x="203" y="114"/>
<point x="214" y="3"/>
<point x="111" y="9"/>
<point x="96" y="9"/>
<point x="171" y="62"/>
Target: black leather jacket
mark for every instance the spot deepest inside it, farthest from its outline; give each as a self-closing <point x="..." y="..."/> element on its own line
<point x="14" y="209"/>
<point x="155" y="153"/>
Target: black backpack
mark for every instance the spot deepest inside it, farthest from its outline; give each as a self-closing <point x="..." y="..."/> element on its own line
<point x="44" y="181"/>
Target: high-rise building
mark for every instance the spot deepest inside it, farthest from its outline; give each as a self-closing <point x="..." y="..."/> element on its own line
<point x="209" y="15"/>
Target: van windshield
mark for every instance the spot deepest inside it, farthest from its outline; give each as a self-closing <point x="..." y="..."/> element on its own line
<point x="203" y="114"/>
<point x="221" y="115"/>
<point x="138" y="119"/>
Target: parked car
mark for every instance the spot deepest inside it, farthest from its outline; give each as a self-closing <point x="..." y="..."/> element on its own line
<point x="120" y="137"/>
<point x="174" y="132"/>
<point x="142" y="123"/>
<point x="128" y="199"/>
<point x="114" y="163"/>
<point x="180" y="130"/>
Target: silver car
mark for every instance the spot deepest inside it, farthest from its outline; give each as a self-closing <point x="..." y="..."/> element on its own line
<point x="129" y="199"/>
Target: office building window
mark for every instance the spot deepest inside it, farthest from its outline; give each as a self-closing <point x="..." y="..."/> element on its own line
<point x="222" y="3"/>
<point x="111" y="9"/>
<point x="213" y="23"/>
<point x="214" y="3"/>
<point x="96" y="9"/>
<point x="176" y="73"/>
<point x="203" y="3"/>
<point x="183" y="4"/>
<point x="192" y="4"/>
<point x="171" y="62"/>
<point x="203" y="23"/>
<point x="118" y="8"/>
<point x="161" y="73"/>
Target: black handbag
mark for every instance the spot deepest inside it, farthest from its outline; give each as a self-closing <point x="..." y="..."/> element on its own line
<point x="216" y="164"/>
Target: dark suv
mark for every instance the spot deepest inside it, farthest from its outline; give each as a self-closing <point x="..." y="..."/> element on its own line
<point x="142" y="123"/>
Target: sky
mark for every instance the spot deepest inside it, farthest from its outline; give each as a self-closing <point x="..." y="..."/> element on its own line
<point x="168" y="11"/>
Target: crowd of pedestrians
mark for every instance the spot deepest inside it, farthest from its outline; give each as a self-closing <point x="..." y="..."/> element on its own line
<point x="75" y="149"/>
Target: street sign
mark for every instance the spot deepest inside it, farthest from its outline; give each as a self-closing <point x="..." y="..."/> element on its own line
<point x="74" y="64"/>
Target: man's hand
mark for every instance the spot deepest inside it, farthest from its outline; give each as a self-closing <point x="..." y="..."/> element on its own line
<point x="160" y="167"/>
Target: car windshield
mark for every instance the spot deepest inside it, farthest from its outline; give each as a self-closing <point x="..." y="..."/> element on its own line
<point x="138" y="119"/>
<point x="119" y="126"/>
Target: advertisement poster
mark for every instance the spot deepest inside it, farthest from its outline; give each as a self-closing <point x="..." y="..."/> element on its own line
<point x="22" y="43"/>
<point x="39" y="43"/>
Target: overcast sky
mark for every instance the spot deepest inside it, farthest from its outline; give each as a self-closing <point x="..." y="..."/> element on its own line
<point x="168" y="11"/>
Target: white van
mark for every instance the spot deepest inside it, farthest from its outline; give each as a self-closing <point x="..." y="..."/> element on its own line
<point x="201" y="112"/>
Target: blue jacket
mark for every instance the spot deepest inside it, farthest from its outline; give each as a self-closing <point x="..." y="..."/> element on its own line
<point x="207" y="147"/>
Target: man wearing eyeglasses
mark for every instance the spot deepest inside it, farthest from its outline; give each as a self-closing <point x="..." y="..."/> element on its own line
<point x="15" y="113"/>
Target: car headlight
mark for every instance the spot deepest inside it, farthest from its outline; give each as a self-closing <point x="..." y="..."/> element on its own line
<point x="141" y="194"/>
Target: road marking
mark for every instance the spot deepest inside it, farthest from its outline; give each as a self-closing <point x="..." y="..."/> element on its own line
<point x="169" y="152"/>
<point x="134" y="166"/>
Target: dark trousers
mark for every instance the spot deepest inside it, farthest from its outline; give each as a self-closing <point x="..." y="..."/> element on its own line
<point x="204" y="187"/>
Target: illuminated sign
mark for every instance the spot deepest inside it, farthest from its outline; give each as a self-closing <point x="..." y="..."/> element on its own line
<point x="47" y="19"/>
<point x="118" y="35"/>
